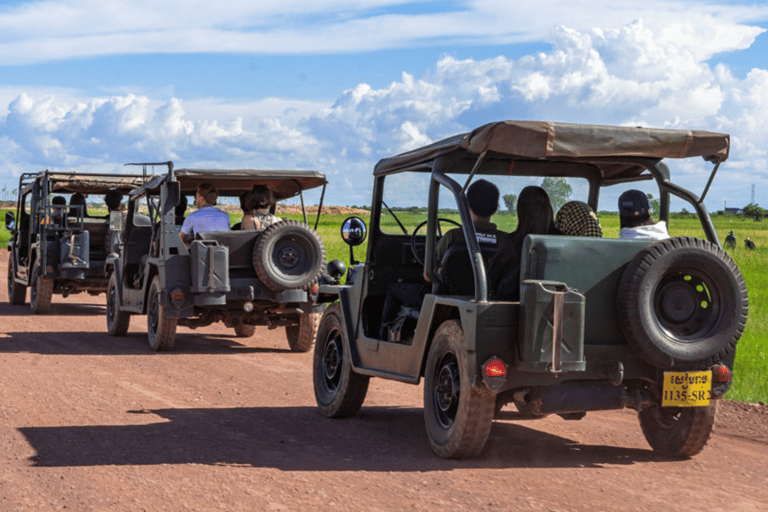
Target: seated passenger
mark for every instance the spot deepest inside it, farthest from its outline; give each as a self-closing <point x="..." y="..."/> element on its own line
<point x="207" y="217"/>
<point x="576" y="218"/>
<point x="259" y="204"/>
<point x="534" y="217"/>
<point x="114" y="201"/>
<point x="77" y="200"/>
<point x="635" y="217"/>
<point x="180" y="210"/>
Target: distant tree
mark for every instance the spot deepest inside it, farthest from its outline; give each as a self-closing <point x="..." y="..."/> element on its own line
<point x="510" y="201"/>
<point x="655" y="206"/>
<point x="753" y="211"/>
<point x="559" y="191"/>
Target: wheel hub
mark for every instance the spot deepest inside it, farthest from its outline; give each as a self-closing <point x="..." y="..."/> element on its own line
<point x="332" y="363"/>
<point x="289" y="257"/>
<point x="447" y="391"/>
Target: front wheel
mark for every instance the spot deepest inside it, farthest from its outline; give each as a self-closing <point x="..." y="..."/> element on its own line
<point x="339" y="391"/>
<point x="458" y="416"/>
<point x="40" y="292"/>
<point x="678" y="431"/>
<point x="17" y="293"/>
<point x="302" y="336"/>
<point x="161" y="330"/>
<point x="117" y="321"/>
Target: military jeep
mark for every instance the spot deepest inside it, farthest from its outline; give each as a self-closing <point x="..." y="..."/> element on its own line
<point x="239" y="277"/>
<point x="601" y="323"/>
<point x="58" y="248"/>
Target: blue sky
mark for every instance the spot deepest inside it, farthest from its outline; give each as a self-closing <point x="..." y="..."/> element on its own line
<point x="339" y="84"/>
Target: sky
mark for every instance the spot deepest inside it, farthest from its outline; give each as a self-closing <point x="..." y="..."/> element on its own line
<point x="336" y="85"/>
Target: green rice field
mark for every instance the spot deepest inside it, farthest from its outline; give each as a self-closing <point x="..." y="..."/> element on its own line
<point x="750" y="379"/>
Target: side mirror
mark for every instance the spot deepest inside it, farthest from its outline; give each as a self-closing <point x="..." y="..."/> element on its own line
<point x="353" y="231"/>
<point x="10" y="221"/>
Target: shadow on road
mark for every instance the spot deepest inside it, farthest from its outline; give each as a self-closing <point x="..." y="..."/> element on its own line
<point x="299" y="439"/>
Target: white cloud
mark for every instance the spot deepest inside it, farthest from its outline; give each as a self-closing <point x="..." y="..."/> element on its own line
<point x="635" y="74"/>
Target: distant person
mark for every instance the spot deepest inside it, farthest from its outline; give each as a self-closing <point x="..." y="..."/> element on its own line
<point x="259" y="204"/>
<point x="730" y="241"/>
<point x="77" y="204"/>
<point x="576" y="218"/>
<point x="635" y="217"/>
<point x="534" y="217"/>
<point x="749" y="244"/>
<point x="207" y="217"/>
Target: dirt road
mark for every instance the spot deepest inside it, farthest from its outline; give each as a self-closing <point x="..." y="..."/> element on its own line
<point x="93" y="423"/>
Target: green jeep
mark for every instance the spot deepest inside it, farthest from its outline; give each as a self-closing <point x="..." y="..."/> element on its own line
<point x="240" y="277"/>
<point x="601" y="323"/>
<point x="55" y="247"/>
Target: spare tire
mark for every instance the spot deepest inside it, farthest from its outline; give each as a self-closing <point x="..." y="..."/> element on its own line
<point x="287" y="255"/>
<point x="682" y="303"/>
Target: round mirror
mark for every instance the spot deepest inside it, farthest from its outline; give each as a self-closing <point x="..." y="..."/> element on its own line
<point x="353" y="231"/>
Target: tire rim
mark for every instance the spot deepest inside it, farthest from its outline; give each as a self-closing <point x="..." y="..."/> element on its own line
<point x="686" y="305"/>
<point x="152" y="315"/>
<point x="332" y="361"/>
<point x="446" y="392"/>
<point x="111" y="306"/>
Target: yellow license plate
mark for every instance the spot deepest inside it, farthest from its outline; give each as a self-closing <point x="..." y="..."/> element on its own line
<point x="687" y="389"/>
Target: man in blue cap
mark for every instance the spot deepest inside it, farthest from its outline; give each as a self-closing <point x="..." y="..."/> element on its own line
<point x="635" y="217"/>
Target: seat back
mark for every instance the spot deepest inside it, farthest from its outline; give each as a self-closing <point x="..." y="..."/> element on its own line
<point x="456" y="269"/>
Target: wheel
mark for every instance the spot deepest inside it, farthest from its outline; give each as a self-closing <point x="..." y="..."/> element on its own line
<point x="339" y="391"/>
<point x="418" y="257"/>
<point x="117" y="321"/>
<point x="244" y="330"/>
<point x="161" y="331"/>
<point x="288" y="254"/>
<point x="302" y="336"/>
<point x="682" y="304"/>
<point x="40" y="292"/>
<point x="458" y="416"/>
<point x="678" y="431"/>
<point x="17" y="293"/>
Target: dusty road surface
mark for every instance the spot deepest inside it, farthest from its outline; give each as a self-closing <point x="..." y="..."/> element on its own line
<point x="93" y="423"/>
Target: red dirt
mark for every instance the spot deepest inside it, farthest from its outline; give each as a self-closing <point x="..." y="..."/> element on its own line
<point x="94" y="423"/>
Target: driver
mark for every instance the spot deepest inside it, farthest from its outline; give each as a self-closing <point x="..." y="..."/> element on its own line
<point x="483" y="201"/>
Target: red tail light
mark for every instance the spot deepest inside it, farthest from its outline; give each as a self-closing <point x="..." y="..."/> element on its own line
<point x="495" y="368"/>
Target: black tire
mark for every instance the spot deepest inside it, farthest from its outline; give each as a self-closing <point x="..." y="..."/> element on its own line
<point x="245" y="330"/>
<point x="457" y="415"/>
<point x="287" y="255"/>
<point x="161" y="331"/>
<point x="339" y="391"/>
<point x="40" y="292"/>
<point x="682" y="304"/>
<point x="17" y="293"/>
<point x="301" y="337"/>
<point x="678" y="431"/>
<point x="117" y="320"/>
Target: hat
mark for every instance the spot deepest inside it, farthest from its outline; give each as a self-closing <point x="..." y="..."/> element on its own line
<point x="576" y="218"/>
<point x="634" y="203"/>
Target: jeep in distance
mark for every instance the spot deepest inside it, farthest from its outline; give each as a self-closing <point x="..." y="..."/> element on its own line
<point x="57" y="248"/>
<point x="241" y="278"/>
<point x="601" y="323"/>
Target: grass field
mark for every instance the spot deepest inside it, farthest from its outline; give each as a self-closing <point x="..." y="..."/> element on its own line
<point x="750" y="380"/>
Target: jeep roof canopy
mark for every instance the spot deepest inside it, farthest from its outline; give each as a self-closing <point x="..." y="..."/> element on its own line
<point x="285" y="184"/>
<point x="88" y="183"/>
<point x="612" y="151"/>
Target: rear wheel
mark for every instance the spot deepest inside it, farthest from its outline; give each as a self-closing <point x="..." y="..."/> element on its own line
<point x="17" y="293"/>
<point x="117" y="321"/>
<point x="678" y="431"/>
<point x="458" y="416"/>
<point x="40" y="292"/>
<point x="339" y="391"/>
<point x="302" y="336"/>
<point x="161" y="330"/>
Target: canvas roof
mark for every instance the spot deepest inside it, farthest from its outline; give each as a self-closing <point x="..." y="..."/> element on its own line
<point x="608" y="148"/>
<point x="61" y="183"/>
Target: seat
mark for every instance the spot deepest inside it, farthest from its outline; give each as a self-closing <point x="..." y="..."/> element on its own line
<point x="456" y="269"/>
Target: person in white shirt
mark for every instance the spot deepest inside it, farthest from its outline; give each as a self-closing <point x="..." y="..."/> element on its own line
<point x="635" y="217"/>
<point x="207" y="217"/>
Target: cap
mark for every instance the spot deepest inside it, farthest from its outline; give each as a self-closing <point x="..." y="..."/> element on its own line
<point x="633" y="203"/>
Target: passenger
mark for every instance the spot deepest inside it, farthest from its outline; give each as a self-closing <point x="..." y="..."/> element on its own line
<point x="534" y="217"/>
<point x="259" y="204"/>
<point x="207" y="217"/>
<point x="576" y="218"/>
<point x="483" y="201"/>
<point x="114" y="201"/>
<point x="635" y="217"/>
<point x="77" y="199"/>
<point x="180" y="210"/>
<point x="243" y="199"/>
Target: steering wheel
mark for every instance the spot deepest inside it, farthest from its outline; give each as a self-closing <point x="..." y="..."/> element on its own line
<point x="416" y="255"/>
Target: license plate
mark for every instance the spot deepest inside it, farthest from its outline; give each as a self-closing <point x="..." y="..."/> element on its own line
<point x="687" y="389"/>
